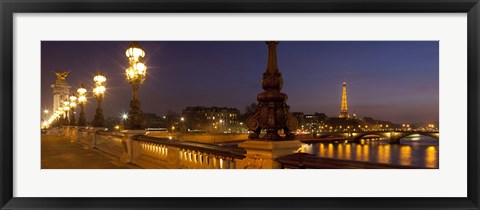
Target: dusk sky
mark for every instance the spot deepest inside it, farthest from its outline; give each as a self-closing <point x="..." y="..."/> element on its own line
<point x="394" y="80"/>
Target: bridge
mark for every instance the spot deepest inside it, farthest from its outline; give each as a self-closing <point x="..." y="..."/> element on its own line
<point x="89" y="147"/>
<point x="393" y="136"/>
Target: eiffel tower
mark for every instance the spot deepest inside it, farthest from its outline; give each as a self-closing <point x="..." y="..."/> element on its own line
<point x="344" y="109"/>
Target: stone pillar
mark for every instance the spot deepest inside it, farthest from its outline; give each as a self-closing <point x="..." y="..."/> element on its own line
<point x="263" y="154"/>
<point x="61" y="89"/>
<point x="95" y="129"/>
<point x="127" y="144"/>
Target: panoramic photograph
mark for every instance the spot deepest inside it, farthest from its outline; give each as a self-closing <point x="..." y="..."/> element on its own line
<point x="239" y="105"/>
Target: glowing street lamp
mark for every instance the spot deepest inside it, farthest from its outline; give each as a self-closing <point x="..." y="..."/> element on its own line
<point x="65" y="107"/>
<point x="124" y="118"/>
<point x="45" y="112"/>
<point x="82" y="99"/>
<point x="73" y="104"/>
<point x="99" y="91"/>
<point x="135" y="74"/>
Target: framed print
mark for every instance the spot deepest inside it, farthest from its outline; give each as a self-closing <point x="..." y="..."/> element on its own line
<point x="239" y="105"/>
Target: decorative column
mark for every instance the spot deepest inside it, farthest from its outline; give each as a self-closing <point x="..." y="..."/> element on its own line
<point x="61" y="89"/>
<point x="271" y="115"/>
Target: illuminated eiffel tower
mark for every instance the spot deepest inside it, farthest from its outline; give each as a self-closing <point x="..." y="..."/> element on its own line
<point x="344" y="109"/>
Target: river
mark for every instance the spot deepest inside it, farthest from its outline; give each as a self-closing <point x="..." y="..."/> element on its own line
<point x="414" y="151"/>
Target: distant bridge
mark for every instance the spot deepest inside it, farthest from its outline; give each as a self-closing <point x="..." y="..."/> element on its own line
<point x="392" y="136"/>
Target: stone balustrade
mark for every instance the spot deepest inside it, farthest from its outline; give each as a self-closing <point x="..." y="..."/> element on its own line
<point x="111" y="143"/>
<point x="154" y="152"/>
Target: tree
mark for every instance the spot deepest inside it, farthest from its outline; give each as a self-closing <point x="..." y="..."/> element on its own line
<point x="249" y="110"/>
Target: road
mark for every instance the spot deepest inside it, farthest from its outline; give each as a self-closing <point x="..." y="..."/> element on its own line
<point x="58" y="152"/>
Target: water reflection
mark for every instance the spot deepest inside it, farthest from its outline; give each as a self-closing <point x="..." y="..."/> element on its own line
<point x="431" y="159"/>
<point x="330" y="150"/>
<point x="383" y="151"/>
<point x="340" y="151"/>
<point x="348" y="151"/>
<point x="420" y="151"/>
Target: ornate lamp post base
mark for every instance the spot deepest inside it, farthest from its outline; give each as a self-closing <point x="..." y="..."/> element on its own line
<point x="81" y="119"/>
<point x="135" y="121"/>
<point x="72" y="119"/>
<point x="98" y="120"/>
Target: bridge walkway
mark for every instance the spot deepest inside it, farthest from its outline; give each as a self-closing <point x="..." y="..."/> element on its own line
<point x="58" y="152"/>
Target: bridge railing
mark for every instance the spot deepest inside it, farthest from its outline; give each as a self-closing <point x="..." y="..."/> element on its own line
<point x="166" y="153"/>
<point x="154" y="152"/>
<point x="111" y="143"/>
<point x="309" y="161"/>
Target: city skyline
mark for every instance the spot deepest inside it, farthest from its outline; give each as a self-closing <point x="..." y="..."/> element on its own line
<point x="394" y="81"/>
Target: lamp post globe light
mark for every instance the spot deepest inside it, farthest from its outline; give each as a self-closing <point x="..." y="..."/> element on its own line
<point x="66" y="109"/>
<point x="59" y="113"/>
<point x="99" y="91"/>
<point x="82" y="99"/>
<point x="135" y="74"/>
<point x="73" y="104"/>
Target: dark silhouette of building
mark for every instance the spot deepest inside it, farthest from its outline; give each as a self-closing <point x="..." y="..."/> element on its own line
<point x="153" y="121"/>
<point x="212" y="119"/>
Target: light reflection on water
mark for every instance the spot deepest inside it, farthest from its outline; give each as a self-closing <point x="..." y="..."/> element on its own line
<point x="419" y="151"/>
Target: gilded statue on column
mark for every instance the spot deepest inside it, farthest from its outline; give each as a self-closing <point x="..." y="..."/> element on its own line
<point x="61" y="75"/>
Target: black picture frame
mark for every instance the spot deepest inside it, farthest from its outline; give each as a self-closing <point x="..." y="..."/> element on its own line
<point x="10" y="7"/>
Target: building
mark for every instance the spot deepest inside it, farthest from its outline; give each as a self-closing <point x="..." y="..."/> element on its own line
<point x="154" y="121"/>
<point x="212" y="119"/>
<point x="299" y="116"/>
<point x="310" y="122"/>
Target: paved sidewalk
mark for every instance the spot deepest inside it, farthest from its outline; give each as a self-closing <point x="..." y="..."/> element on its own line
<point x="59" y="153"/>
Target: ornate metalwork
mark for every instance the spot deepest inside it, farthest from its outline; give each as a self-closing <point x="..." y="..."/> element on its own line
<point x="272" y="113"/>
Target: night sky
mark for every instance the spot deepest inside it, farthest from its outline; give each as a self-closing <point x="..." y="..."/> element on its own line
<point x="394" y="80"/>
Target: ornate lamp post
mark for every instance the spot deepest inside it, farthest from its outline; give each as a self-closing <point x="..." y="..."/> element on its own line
<point x="73" y="104"/>
<point x="82" y="99"/>
<point x="59" y="113"/>
<point x="66" y="109"/>
<point x="45" y="112"/>
<point x="98" y="91"/>
<point x="272" y="113"/>
<point x="135" y="75"/>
